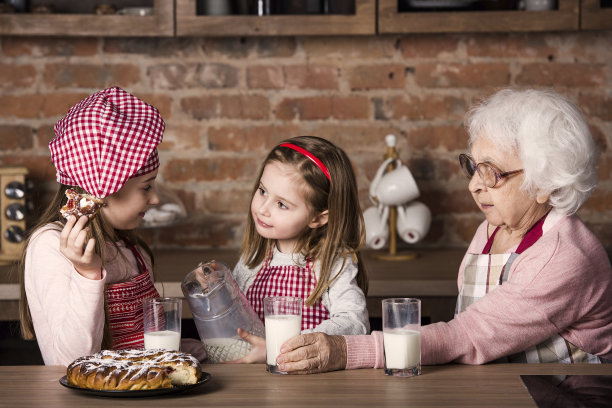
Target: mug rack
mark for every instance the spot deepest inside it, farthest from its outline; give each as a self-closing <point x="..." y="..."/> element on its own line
<point x="12" y="219"/>
<point x="393" y="254"/>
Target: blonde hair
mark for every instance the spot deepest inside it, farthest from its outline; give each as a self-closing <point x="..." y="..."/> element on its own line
<point x="99" y="228"/>
<point x="343" y="234"/>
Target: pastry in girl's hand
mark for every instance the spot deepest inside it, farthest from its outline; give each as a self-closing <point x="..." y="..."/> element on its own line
<point x="80" y="204"/>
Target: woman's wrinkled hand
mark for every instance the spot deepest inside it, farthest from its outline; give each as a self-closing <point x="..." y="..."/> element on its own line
<point x="258" y="349"/>
<point x="82" y="255"/>
<point x="312" y="353"/>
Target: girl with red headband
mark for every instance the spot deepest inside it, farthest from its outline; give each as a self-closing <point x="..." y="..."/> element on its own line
<point x="303" y="235"/>
<point x="83" y="280"/>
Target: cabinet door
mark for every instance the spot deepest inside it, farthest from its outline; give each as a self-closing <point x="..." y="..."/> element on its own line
<point x="596" y="15"/>
<point x="189" y="23"/>
<point x="391" y="21"/>
<point x="160" y="24"/>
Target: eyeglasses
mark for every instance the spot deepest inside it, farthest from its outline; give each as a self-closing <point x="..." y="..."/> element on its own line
<point x="489" y="174"/>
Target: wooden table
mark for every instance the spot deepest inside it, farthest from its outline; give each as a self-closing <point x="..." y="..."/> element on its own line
<point x="494" y="385"/>
<point x="431" y="276"/>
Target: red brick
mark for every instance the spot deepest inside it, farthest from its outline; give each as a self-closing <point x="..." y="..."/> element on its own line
<point x="227" y="201"/>
<point x="266" y="77"/>
<point x="498" y="45"/>
<point x="592" y="46"/>
<point x="443" y="107"/>
<point x="181" y="137"/>
<point x="403" y="106"/>
<point x="43" y="135"/>
<point x="350" y="107"/>
<point x="227" y="106"/>
<point x="58" y="104"/>
<point x="17" y="76"/>
<point x="599" y="202"/>
<point x="209" y="169"/>
<point x="558" y="75"/>
<point x="21" y="106"/>
<point x="311" y="76"/>
<point x="596" y="106"/>
<point x="249" y="139"/>
<point x="369" y="140"/>
<point x="241" y="47"/>
<point x="390" y="76"/>
<point x="428" y="45"/>
<point x="605" y="168"/>
<point x="451" y="138"/>
<point x="15" y="138"/>
<point x="39" y="166"/>
<point x="49" y="46"/>
<point x="179" y="76"/>
<point x="96" y="76"/>
<point x="310" y="108"/>
<point x="452" y="75"/>
<point x="344" y="47"/>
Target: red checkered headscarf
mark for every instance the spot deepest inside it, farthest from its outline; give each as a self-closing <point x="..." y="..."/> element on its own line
<point x="104" y="140"/>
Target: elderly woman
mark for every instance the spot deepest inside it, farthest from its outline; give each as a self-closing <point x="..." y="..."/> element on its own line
<point x="535" y="284"/>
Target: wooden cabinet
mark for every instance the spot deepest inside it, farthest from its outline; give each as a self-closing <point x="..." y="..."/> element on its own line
<point x="188" y="23"/>
<point x="370" y="17"/>
<point x="593" y="16"/>
<point x="160" y="24"/>
<point x="391" y="21"/>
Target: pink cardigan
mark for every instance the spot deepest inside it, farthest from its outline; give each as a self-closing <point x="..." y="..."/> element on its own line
<point x="562" y="284"/>
<point x="67" y="309"/>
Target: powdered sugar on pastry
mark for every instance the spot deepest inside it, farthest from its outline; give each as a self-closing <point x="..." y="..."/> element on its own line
<point x="80" y="204"/>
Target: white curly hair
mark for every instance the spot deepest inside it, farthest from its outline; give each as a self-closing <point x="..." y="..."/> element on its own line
<point x="550" y="136"/>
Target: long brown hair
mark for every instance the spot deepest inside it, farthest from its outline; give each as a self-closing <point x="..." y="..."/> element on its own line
<point x="343" y="234"/>
<point x="99" y="229"/>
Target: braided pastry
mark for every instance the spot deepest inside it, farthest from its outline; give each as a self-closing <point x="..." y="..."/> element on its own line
<point x="133" y="370"/>
<point x="80" y="204"/>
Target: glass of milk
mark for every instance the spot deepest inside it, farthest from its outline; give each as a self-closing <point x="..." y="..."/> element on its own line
<point x="283" y="320"/>
<point x="402" y="336"/>
<point x="162" y="323"/>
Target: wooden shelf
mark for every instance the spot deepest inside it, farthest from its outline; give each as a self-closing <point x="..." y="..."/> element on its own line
<point x="595" y="17"/>
<point x="390" y="21"/>
<point x="363" y="22"/>
<point x="161" y="24"/>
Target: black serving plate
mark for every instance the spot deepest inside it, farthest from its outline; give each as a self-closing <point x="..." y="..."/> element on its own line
<point x="204" y="378"/>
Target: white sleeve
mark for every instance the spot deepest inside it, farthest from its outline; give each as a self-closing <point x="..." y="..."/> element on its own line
<point x="243" y="276"/>
<point x="345" y="302"/>
<point x="67" y="309"/>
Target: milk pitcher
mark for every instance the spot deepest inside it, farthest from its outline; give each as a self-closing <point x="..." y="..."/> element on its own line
<point x="219" y="308"/>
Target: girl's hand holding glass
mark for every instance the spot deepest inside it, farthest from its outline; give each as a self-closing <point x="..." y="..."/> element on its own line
<point x="73" y="245"/>
<point x="258" y="349"/>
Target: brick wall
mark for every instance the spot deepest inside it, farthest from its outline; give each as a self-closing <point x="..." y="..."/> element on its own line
<point x="226" y="102"/>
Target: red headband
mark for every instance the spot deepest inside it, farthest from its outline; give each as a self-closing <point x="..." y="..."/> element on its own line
<point x="311" y="156"/>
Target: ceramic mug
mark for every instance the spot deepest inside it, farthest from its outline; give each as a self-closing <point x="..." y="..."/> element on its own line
<point x="377" y="228"/>
<point x="413" y="221"/>
<point x="394" y="187"/>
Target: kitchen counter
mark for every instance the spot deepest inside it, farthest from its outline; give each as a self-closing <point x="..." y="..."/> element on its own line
<point x="491" y="385"/>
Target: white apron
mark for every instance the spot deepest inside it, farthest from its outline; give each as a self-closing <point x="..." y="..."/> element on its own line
<point x="484" y="272"/>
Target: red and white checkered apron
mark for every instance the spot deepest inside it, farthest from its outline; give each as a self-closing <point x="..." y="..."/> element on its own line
<point x="124" y="302"/>
<point x="485" y="272"/>
<point x="287" y="280"/>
